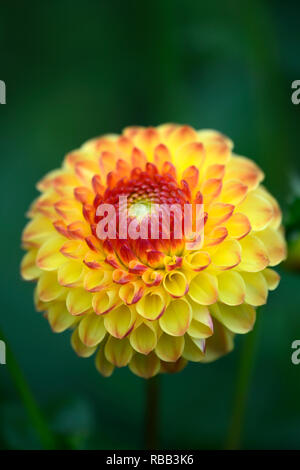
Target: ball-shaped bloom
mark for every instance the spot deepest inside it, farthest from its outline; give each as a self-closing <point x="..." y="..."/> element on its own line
<point x="153" y="303"/>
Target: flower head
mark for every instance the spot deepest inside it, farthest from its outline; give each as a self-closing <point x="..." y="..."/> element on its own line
<point x="153" y="302"/>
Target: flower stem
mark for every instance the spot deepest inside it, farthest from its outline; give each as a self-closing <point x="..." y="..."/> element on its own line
<point x="152" y="412"/>
<point x="244" y="375"/>
<point x="34" y="413"/>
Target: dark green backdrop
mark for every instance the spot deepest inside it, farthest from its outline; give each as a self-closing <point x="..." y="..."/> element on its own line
<point x="76" y="69"/>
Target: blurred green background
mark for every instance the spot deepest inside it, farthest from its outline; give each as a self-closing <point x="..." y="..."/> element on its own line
<point x="74" y="70"/>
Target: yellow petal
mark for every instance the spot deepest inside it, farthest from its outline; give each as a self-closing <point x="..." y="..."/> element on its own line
<point x="143" y="338"/>
<point x="227" y="255"/>
<point x="177" y="318"/>
<point x="231" y="288"/>
<point x="219" y="344"/>
<point x="256" y="289"/>
<point x="175" y="283"/>
<point x="191" y="154"/>
<point x="274" y="243"/>
<point x="277" y="215"/>
<point x="119" y="322"/>
<point x="49" y="257"/>
<point x="145" y="366"/>
<point x="78" y="301"/>
<point x="152" y="305"/>
<point x="29" y="269"/>
<point x="254" y="255"/>
<point x="102" y="364"/>
<point x="70" y="274"/>
<point x="194" y="350"/>
<point x="203" y="289"/>
<point x="97" y="279"/>
<point x="132" y="292"/>
<point x="239" y="319"/>
<point x="271" y="277"/>
<point x="48" y="288"/>
<point x="118" y="351"/>
<point x="245" y="171"/>
<point x="37" y="231"/>
<point x="197" y="261"/>
<point x="91" y="330"/>
<point x="258" y="210"/>
<point x="105" y="301"/>
<point x="218" y="214"/>
<point x="238" y="226"/>
<point x="233" y="192"/>
<point x="169" y="348"/>
<point x="80" y="348"/>
<point x="201" y="326"/>
<point x="59" y="317"/>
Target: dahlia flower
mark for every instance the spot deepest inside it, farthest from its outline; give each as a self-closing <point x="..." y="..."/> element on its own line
<point x="153" y="304"/>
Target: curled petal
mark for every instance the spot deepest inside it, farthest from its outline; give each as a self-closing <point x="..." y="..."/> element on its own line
<point x="118" y="351"/>
<point x="152" y="278"/>
<point x="201" y="325"/>
<point x="145" y="366"/>
<point x="91" y="330"/>
<point x="169" y="348"/>
<point x="143" y="339"/>
<point x="272" y="278"/>
<point x="81" y="349"/>
<point x="152" y="305"/>
<point x="59" y="318"/>
<point x="103" y="366"/>
<point x="176" y="284"/>
<point x="120" y="321"/>
<point x="121" y="276"/>
<point x="197" y="261"/>
<point x="132" y="292"/>
<point x="194" y="349"/>
<point x="78" y="301"/>
<point x="105" y="301"/>
<point x="70" y="274"/>
<point x="239" y="319"/>
<point x="177" y="318"/>
<point x="96" y="280"/>
<point x="48" y="288"/>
